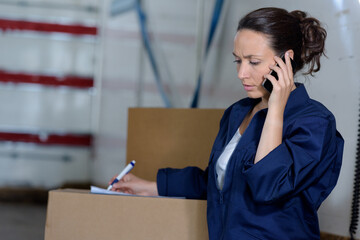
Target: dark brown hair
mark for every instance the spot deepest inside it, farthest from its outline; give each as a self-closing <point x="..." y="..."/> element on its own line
<point x="289" y="30"/>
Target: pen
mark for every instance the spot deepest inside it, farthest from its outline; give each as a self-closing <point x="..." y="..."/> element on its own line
<point x="126" y="170"/>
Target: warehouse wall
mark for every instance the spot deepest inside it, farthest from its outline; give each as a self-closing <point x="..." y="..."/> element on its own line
<point x="36" y="111"/>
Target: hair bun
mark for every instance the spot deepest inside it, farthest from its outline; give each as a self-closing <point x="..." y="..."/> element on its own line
<point x="299" y="14"/>
<point x="313" y="40"/>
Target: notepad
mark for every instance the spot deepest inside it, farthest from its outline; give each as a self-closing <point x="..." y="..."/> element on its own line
<point x="98" y="190"/>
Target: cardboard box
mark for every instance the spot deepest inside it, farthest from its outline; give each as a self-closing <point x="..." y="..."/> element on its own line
<point x="157" y="138"/>
<point x="163" y="137"/>
<point x="80" y="215"/>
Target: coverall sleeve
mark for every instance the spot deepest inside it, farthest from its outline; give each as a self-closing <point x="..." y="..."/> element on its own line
<point x="311" y="153"/>
<point x="190" y="182"/>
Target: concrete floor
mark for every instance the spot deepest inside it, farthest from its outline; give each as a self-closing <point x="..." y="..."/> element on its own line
<point x="22" y="221"/>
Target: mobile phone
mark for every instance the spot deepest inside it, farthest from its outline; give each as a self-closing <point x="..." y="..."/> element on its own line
<point x="267" y="84"/>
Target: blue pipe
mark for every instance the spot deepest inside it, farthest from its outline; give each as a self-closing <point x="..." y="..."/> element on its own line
<point x="146" y="41"/>
<point x="214" y="22"/>
<point x="121" y="6"/>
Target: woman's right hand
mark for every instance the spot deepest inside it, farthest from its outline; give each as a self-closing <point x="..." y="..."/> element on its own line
<point x="134" y="185"/>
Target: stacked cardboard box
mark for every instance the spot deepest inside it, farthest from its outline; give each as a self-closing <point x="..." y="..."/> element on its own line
<point x="157" y="138"/>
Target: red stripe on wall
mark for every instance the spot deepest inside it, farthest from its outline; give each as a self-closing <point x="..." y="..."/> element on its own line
<point x="76" y="29"/>
<point x="67" y="81"/>
<point x="50" y="139"/>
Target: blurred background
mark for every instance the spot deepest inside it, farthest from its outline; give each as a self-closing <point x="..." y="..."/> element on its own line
<point x="70" y="69"/>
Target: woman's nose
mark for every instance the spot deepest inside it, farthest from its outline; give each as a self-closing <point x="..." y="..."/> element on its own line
<point x="242" y="72"/>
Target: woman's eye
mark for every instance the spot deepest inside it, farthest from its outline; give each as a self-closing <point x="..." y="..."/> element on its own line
<point x="237" y="61"/>
<point x="254" y="63"/>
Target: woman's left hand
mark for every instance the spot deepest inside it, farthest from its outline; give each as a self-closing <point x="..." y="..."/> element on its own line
<point x="283" y="86"/>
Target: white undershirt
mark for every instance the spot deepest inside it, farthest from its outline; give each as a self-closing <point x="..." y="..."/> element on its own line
<point x="225" y="157"/>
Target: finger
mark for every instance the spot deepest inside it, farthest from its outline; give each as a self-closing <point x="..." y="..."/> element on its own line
<point x="280" y="63"/>
<point x="281" y="70"/>
<point x="128" y="191"/>
<point x="111" y="180"/>
<point x="289" y="66"/>
<point x="119" y="185"/>
<point x="280" y="74"/>
<point x="273" y="81"/>
<point x="124" y="190"/>
<point x="127" y="177"/>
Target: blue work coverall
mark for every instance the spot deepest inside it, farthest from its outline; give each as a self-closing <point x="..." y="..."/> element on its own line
<point x="278" y="197"/>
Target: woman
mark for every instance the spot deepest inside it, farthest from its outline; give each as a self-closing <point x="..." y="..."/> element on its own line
<point x="277" y="155"/>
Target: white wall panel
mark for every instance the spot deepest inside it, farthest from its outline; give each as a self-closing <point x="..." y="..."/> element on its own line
<point x="28" y="165"/>
<point x="52" y="10"/>
<point x="57" y="54"/>
<point x="49" y="109"/>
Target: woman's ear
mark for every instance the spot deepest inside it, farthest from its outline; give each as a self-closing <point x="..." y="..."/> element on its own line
<point x="291" y="53"/>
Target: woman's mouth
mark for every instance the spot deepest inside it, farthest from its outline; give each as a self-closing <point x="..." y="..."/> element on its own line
<point x="248" y="87"/>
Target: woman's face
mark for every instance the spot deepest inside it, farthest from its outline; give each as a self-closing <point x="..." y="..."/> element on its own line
<point x="253" y="56"/>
